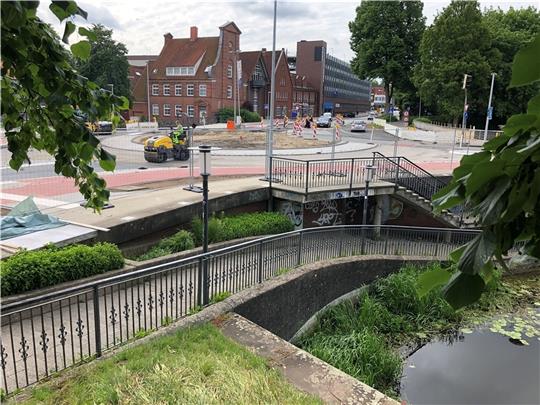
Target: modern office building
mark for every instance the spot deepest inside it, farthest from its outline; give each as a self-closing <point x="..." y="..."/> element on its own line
<point x="338" y="88"/>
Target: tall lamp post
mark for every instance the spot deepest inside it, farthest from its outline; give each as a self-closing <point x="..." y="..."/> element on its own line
<point x="205" y="169"/>
<point x="466" y="80"/>
<point x="489" y="110"/>
<point x="368" y="170"/>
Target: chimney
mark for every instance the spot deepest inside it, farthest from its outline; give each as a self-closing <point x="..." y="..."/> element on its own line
<point x="193" y="31"/>
<point x="168" y="36"/>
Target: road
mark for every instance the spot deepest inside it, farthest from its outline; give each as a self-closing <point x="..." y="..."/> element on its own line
<point x="50" y="190"/>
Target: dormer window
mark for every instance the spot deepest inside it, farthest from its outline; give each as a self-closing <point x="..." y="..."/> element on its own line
<point x="180" y="71"/>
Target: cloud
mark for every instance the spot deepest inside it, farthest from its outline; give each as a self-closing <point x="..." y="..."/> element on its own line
<point x="99" y="15"/>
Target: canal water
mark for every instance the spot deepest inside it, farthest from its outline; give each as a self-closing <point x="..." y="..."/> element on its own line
<point x="478" y="368"/>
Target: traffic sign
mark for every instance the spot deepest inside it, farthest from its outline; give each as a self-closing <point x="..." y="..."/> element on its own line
<point x="490" y="113"/>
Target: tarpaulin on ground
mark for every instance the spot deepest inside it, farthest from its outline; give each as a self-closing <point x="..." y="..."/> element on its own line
<point x="26" y="218"/>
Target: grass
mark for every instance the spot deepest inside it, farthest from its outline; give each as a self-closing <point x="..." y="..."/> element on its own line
<point x="362" y="339"/>
<point x="195" y="366"/>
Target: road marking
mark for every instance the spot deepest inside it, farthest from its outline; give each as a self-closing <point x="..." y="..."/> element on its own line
<point x="30" y="165"/>
<point x="45" y="202"/>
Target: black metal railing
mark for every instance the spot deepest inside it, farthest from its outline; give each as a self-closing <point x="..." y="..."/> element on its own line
<point x="413" y="177"/>
<point x="348" y="173"/>
<point x="312" y="175"/>
<point x="46" y="334"/>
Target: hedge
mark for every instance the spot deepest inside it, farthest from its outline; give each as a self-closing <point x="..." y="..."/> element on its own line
<point x="225" y="114"/>
<point x="29" y="270"/>
<point x="242" y="226"/>
<point x="179" y="242"/>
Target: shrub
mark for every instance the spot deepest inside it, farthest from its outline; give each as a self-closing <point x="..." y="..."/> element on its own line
<point x="29" y="270"/>
<point x="249" y="116"/>
<point x="419" y="119"/>
<point x="225" y="114"/>
<point x="180" y="241"/>
<point x="242" y="226"/>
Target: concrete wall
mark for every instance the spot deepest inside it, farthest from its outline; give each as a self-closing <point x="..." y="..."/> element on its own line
<point x="251" y="200"/>
<point x="283" y="305"/>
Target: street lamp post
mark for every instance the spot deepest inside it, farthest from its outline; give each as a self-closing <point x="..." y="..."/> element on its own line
<point x="466" y="79"/>
<point x="270" y="136"/>
<point x="369" y="177"/>
<point x="205" y="169"/>
<point x="489" y="111"/>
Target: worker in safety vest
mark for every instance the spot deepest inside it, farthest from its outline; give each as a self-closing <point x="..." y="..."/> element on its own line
<point x="176" y="135"/>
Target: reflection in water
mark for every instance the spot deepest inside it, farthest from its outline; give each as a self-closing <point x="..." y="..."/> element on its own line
<point x="481" y="368"/>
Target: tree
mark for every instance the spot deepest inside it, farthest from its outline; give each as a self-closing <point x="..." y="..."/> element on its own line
<point x="501" y="185"/>
<point x="384" y="38"/>
<point x="457" y="43"/>
<point x="42" y="95"/>
<point x="107" y="63"/>
<point x="510" y="30"/>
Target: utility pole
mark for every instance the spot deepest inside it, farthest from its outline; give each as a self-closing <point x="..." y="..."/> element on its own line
<point x="148" y="89"/>
<point x="466" y="79"/>
<point x="489" y="110"/>
<point x="269" y="138"/>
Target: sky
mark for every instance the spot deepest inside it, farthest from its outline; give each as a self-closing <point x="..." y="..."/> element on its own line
<point x="141" y="24"/>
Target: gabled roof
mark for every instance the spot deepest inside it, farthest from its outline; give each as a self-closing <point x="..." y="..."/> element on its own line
<point x="267" y="57"/>
<point x="178" y="52"/>
<point x="249" y="61"/>
<point x="230" y="25"/>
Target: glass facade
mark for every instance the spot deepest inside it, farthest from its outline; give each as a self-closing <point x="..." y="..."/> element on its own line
<point x="341" y="82"/>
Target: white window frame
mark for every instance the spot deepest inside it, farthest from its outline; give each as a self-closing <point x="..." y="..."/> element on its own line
<point x="229" y="91"/>
<point x="178" y="90"/>
<point x="191" y="111"/>
<point x="188" y="88"/>
<point x="155" y="109"/>
<point x="177" y="110"/>
<point x="167" y="110"/>
<point x="155" y="89"/>
<point x="180" y="71"/>
<point x="202" y="90"/>
<point x="229" y="71"/>
<point x="202" y="109"/>
<point x="166" y="90"/>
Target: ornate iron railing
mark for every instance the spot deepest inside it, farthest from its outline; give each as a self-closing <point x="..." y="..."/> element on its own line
<point x="46" y="334"/>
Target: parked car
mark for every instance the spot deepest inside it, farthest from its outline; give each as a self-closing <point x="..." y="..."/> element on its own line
<point x="371" y="116"/>
<point x="358" y="126"/>
<point x="327" y="114"/>
<point x="324" y="122"/>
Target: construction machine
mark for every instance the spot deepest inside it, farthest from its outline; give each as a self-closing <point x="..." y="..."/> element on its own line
<point x="159" y="148"/>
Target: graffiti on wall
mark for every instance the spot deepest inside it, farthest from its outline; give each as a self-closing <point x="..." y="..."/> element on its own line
<point x="293" y="210"/>
<point x="344" y="211"/>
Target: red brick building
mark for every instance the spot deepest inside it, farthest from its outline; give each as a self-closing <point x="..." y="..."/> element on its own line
<point x="191" y="77"/>
<point x="305" y="96"/>
<point x="256" y="73"/>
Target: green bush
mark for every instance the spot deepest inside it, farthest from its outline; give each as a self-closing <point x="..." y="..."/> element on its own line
<point x="226" y="114"/>
<point x="249" y="116"/>
<point x="29" y="270"/>
<point x="412" y="120"/>
<point x="242" y="226"/>
<point x="180" y="241"/>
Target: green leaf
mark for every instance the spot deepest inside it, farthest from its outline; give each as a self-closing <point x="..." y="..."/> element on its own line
<point x="125" y="103"/>
<point x="463" y="289"/>
<point x="456" y="254"/>
<point x="70" y="29"/>
<point x="526" y="69"/>
<point x="107" y="161"/>
<point x="429" y="280"/>
<point x="91" y="35"/>
<point x="482" y="174"/>
<point x="477" y="252"/>
<point x="448" y="197"/>
<point x="58" y="11"/>
<point x="533" y="107"/>
<point x="81" y="49"/>
<point x="519" y="122"/>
